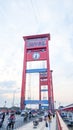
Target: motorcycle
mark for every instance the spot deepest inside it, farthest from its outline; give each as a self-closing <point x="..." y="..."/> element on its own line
<point x="10" y="124"/>
<point x="25" y="117"/>
<point x="1" y="119"/>
<point x="1" y="122"/>
<point x="35" y="123"/>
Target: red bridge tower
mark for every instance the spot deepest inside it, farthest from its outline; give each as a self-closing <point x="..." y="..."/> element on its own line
<point x="36" y="48"/>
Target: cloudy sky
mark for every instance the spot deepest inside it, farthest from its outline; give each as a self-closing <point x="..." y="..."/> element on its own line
<point x="19" y="18"/>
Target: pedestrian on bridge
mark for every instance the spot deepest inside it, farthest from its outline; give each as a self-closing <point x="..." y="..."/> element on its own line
<point x="49" y="118"/>
<point x="45" y="115"/>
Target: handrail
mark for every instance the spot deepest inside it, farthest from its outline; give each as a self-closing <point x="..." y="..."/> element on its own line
<point x="60" y="123"/>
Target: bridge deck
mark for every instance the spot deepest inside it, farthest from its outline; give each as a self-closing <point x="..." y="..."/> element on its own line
<point x="41" y="126"/>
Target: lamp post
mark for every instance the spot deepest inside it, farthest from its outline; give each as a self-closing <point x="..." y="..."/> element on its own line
<point x="14" y="96"/>
<point x="55" y="105"/>
<point x="5" y="103"/>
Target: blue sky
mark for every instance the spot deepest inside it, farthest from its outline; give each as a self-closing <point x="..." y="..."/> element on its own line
<point x="19" y="18"/>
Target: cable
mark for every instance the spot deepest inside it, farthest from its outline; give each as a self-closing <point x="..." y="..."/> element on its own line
<point x="36" y="18"/>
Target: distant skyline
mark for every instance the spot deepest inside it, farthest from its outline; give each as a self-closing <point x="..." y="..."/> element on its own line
<point x="19" y="18"/>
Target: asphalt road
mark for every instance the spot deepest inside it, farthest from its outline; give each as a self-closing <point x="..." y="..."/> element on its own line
<point x="18" y="122"/>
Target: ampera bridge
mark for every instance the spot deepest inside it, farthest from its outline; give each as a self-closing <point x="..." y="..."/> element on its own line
<point x="37" y="82"/>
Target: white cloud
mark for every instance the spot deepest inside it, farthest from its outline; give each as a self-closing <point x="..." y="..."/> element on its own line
<point x="20" y="18"/>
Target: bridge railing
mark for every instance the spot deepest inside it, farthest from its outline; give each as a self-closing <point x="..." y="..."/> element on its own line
<point x="60" y="125"/>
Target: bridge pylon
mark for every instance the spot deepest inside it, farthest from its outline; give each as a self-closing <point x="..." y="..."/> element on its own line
<point x="36" y="49"/>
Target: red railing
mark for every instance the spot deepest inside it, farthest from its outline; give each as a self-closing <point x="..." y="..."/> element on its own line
<point x="60" y="125"/>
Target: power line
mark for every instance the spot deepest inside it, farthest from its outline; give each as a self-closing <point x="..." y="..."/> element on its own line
<point x="35" y="14"/>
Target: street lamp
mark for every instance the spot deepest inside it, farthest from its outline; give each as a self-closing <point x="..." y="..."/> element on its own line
<point x="5" y="103"/>
<point x="14" y="96"/>
<point x="55" y="105"/>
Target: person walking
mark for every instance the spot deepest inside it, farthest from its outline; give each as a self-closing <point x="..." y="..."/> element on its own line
<point x="3" y="116"/>
<point x="49" y="118"/>
<point x="45" y="115"/>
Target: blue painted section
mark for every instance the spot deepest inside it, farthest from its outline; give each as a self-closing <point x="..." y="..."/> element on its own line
<point x="44" y="89"/>
<point x="36" y="70"/>
<point x="44" y="107"/>
<point x="36" y="102"/>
